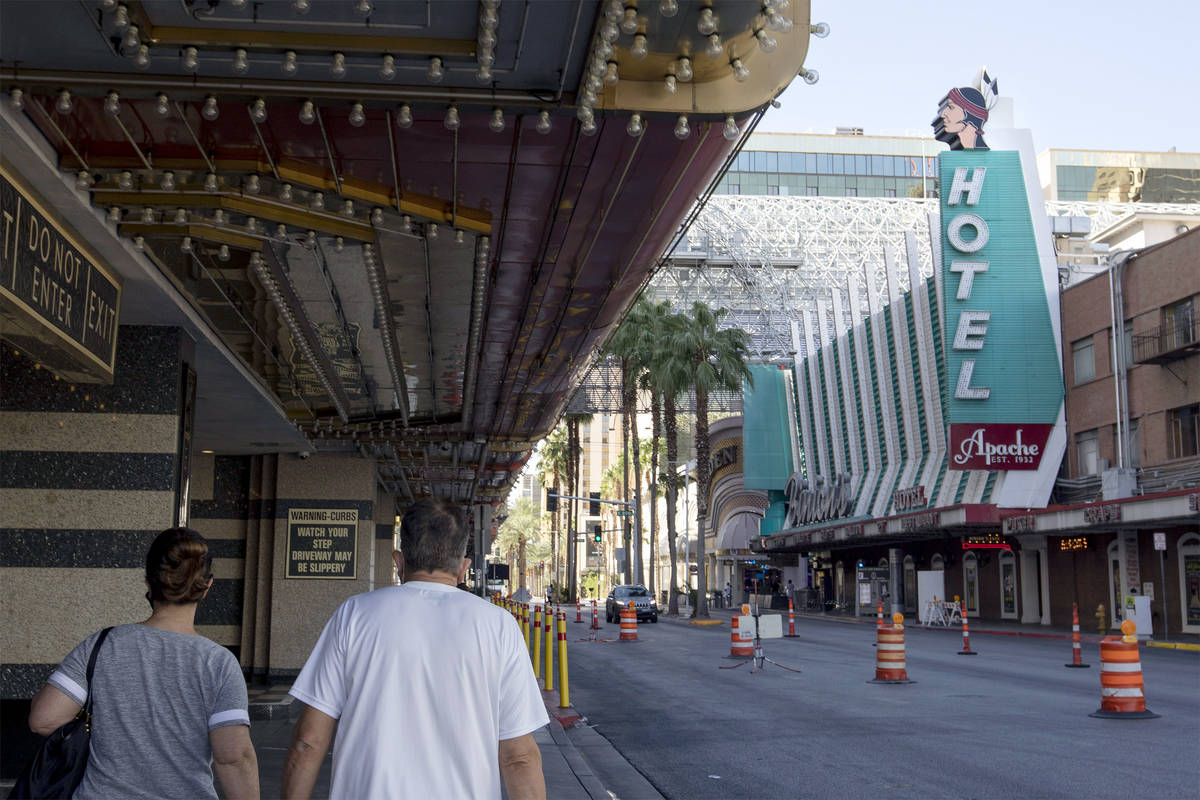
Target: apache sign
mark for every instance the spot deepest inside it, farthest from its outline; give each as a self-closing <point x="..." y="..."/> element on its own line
<point x="816" y="502"/>
<point x="1003" y="374"/>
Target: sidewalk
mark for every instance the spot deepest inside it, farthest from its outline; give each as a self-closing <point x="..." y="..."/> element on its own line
<point x="986" y="628"/>
<point x="578" y="763"/>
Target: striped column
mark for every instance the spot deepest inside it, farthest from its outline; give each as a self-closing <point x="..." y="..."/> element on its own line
<point x="90" y="476"/>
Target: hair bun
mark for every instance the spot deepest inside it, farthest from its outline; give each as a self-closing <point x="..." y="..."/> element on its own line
<point x="178" y="566"/>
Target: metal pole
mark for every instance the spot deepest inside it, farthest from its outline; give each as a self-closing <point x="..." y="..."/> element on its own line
<point x="1162" y="571"/>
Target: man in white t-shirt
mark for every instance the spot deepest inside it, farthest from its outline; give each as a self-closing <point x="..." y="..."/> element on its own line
<point x="430" y="689"/>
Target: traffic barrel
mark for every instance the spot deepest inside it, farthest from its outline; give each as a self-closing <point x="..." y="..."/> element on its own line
<point x="536" y="653"/>
<point x="791" y="634"/>
<point x="1076" y="651"/>
<point x="738" y="647"/>
<point x="1122" y="693"/>
<point x="548" y="627"/>
<point x="628" y="623"/>
<point x="966" y="648"/>
<point x="564" y="697"/>
<point x="578" y="611"/>
<point x="890" y="666"/>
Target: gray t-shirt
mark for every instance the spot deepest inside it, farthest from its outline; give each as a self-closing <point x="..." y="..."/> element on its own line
<point x="156" y="695"/>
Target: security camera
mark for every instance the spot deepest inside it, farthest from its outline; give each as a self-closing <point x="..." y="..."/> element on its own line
<point x="304" y="453"/>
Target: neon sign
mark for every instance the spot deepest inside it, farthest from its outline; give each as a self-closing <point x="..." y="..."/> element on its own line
<point x="986" y="541"/>
<point x="1073" y="543"/>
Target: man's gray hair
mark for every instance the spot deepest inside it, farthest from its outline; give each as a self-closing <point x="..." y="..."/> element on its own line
<point x="433" y="536"/>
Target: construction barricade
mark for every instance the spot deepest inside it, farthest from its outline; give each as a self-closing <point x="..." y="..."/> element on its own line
<point x="628" y="624"/>
<point x="1076" y="651"/>
<point x="1122" y="693"/>
<point x="966" y="648"/>
<point x="890" y="664"/>
<point x="536" y="629"/>
<point x="548" y="626"/>
<point x="564" y="696"/>
<point x="739" y="647"/>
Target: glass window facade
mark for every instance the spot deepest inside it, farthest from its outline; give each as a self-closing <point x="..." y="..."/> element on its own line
<point x="830" y="174"/>
<point x="1128" y="184"/>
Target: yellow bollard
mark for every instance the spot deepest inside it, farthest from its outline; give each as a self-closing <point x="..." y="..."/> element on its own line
<point x="524" y="609"/>
<point x="536" y="629"/>
<point x="564" y="699"/>
<point x="549" y="632"/>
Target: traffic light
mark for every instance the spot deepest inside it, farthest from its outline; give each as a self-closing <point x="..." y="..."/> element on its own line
<point x="552" y="499"/>
<point x="596" y="535"/>
<point x="594" y="504"/>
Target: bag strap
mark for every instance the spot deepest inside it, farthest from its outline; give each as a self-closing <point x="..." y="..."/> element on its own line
<point x="91" y="667"/>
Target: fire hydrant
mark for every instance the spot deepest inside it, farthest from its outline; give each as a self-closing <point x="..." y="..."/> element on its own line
<point x="1101" y="619"/>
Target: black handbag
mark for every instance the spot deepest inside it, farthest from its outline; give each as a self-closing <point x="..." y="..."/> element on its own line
<point x="57" y="768"/>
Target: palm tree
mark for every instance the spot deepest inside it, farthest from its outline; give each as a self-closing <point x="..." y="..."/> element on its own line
<point x="715" y="359"/>
<point x="553" y="465"/>
<point x="521" y="529"/>
<point x="573" y="459"/>
<point x="623" y="345"/>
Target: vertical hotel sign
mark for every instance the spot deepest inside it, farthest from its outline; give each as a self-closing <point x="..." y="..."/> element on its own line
<point x="57" y="301"/>
<point x="1004" y="377"/>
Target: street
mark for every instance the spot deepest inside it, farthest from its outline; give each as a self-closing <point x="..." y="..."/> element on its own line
<point x="1011" y="721"/>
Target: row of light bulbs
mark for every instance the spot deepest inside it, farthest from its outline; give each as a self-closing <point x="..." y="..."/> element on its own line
<point x="189" y="58"/>
<point x="219" y="218"/>
<point x="210" y="110"/>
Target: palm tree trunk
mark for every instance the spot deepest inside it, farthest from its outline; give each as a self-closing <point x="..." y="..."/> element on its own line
<point x="625" y="425"/>
<point x="635" y="447"/>
<point x="655" y="432"/>
<point x="669" y="423"/>
<point x="703" y="476"/>
<point x="572" y="476"/>
<point x="521" y="563"/>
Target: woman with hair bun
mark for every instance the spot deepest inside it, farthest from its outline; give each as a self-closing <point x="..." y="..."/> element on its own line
<point x="169" y="706"/>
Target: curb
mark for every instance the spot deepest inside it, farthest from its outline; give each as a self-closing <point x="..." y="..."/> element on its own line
<point x="565" y="717"/>
<point x="1195" y="648"/>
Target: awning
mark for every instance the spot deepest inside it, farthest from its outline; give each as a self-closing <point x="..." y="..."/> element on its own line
<point x="738" y="531"/>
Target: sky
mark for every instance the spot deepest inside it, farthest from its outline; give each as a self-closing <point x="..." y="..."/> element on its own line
<point x="1096" y="75"/>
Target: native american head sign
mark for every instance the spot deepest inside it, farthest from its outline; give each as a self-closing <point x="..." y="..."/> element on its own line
<point x="962" y="114"/>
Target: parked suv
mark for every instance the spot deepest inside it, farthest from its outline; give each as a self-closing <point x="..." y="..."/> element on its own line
<point x="633" y="594"/>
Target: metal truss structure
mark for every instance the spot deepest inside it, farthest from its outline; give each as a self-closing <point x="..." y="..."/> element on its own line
<point x="767" y="259"/>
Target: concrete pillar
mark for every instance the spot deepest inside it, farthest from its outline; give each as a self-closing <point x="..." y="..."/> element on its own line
<point x="383" y="570"/>
<point x="895" y="578"/>
<point x="300" y="605"/>
<point x="1030" y="578"/>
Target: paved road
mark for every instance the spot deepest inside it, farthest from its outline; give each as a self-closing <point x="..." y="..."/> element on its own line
<point x="1011" y="722"/>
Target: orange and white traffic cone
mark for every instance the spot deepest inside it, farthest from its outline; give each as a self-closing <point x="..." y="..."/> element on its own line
<point x="879" y="618"/>
<point x="595" y="619"/>
<point x="739" y="647"/>
<point x="578" y="611"/>
<point x="628" y="624"/>
<point x="1122" y="693"/>
<point x="1076" y="652"/>
<point x="966" y="648"/>
<point x="890" y="666"/>
<point x="791" y="634"/>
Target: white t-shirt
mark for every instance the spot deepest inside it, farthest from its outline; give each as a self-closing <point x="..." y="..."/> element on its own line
<point x="425" y="680"/>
